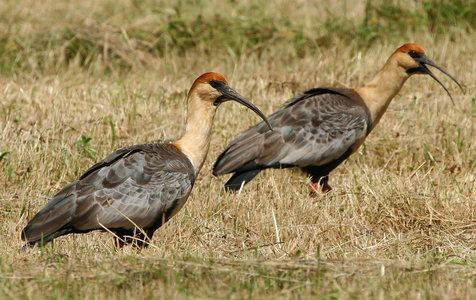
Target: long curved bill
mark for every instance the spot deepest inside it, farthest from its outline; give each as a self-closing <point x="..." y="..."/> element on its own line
<point x="230" y="94"/>
<point x="423" y="60"/>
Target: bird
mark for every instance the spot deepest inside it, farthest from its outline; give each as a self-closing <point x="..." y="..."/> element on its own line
<point x="136" y="189"/>
<point x="320" y="128"/>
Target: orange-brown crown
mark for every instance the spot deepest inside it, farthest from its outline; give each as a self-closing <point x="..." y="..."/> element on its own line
<point x="206" y="77"/>
<point x="405" y="48"/>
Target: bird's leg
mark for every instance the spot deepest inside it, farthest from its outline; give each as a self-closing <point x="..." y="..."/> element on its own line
<point x="119" y="242"/>
<point x="122" y="237"/>
<point x="317" y="182"/>
<point x="313" y="186"/>
<point x="324" y="183"/>
<point x="142" y="240"/>
<point x="135" y="238"/>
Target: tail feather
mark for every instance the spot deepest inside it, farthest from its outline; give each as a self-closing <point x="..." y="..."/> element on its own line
<point x="238" y="179"/>
<point x="46" y="239"/>
<point x="50" y="222"/>
<point x="238" y="154"/>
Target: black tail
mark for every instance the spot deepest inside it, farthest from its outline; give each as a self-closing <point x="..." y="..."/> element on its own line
<point x="238" y="179"/>
<point x="239" y="153"/>
<point x="45" y="239"/>
<point x="51" y="221"/>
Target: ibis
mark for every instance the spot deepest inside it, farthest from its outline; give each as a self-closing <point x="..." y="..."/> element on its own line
<point x="136" y="189"/>
<point x="320" y="128"/>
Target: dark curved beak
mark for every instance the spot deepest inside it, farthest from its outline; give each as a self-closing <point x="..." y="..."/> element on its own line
<point x="424" y="61"/>
<point x="230" y="94"/>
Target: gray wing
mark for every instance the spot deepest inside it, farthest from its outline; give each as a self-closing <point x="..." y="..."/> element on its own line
<point x="312" y="129"/>
<point x="142" y="185"/>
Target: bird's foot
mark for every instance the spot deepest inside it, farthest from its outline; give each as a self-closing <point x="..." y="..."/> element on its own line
<point x="314" y="188"/>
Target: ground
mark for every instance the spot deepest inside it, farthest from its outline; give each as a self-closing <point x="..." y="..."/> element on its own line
<point x="80" y="79"/>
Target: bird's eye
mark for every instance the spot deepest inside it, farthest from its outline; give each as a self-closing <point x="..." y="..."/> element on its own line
<point x="414" y="54"/>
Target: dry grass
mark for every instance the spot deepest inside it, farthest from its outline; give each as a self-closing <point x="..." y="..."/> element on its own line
<point x="400" y="222"/>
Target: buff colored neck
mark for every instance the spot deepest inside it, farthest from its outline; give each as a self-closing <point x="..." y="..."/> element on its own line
<point x="195" y="142"/>
<point x="379" y="92"/>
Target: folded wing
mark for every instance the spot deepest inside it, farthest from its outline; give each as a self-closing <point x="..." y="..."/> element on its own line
<point x="315" y="128"/>
<point x="140" y="186"/>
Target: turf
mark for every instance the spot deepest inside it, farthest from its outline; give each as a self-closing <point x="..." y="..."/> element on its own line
<point x="80" y="79"/>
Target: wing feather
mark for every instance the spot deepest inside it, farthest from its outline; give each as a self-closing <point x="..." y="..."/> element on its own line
<point x="133" y="186"/>
<point x="314" y="128"/>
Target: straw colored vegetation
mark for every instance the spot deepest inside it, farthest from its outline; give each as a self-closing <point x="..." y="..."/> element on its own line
<point x="82" y="78"/>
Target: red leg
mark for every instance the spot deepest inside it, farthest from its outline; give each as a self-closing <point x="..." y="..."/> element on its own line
<point x="313" y="187"/>
<point x="322" y="184"/>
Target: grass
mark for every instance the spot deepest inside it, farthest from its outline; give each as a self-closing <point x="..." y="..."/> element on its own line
<point x="110" y="37"/>
<point x="80" y="79"/>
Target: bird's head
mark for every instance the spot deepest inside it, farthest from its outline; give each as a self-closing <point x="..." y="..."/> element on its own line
<point x="412" y="58"/>
<point x="213" y="89"/>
